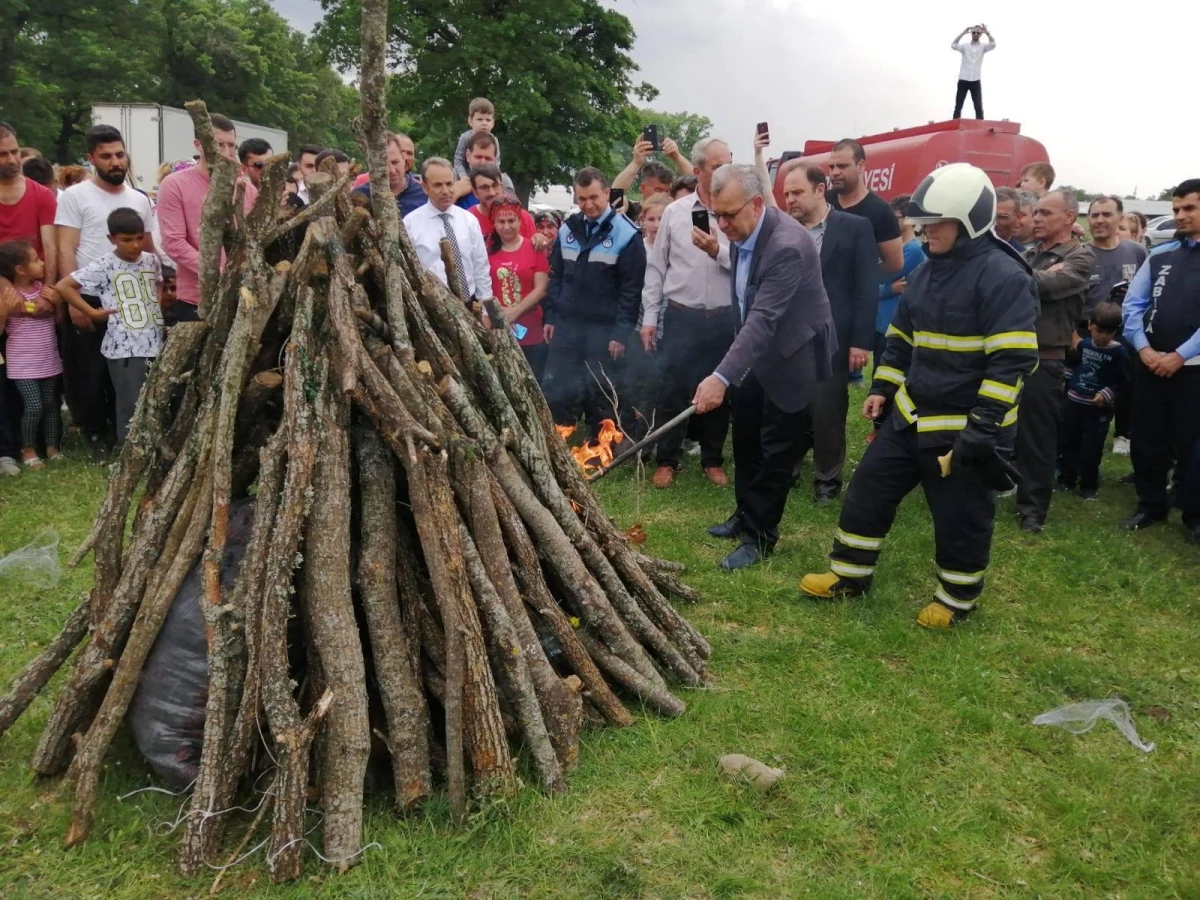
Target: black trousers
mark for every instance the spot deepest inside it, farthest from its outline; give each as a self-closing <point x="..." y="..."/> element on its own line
<point x="1188" y="497"/>
<point x="1166" y="426"/>
<point x="578" y="364"/>
<point x="976" y="90"/>
<point x="693" y="345"/>
<point x="535" y="355"/>
<point x="1037" y="438"/>
<point x="826" y="429"/>
<point x="962" y="507"/>
<point x="766" y="447"/>
<point x="87" y="386"/>
<point x="1081" y="443"/>
<point x="643" y="389"/>
<point x="10" y="410"/>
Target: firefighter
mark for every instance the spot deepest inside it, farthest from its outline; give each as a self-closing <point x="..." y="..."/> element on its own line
<point x="960" y="343"/>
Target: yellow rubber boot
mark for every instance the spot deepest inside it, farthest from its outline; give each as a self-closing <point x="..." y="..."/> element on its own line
<point x="830" y="586"/>
<point x="938" y="615"/>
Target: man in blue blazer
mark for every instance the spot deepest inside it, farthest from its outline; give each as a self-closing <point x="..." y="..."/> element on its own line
<point x="784" y="340"/>
<point x="850" y="269"/>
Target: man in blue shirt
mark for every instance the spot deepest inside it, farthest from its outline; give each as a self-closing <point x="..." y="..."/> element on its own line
<point x="1162" y="324"/>
<point x="406" y="187"/>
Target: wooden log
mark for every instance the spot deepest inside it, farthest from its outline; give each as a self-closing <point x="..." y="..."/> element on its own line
<point x="218" y="206"/>
<point x="404" y="706"/>
<point x="39" y="670"/>
<point x="330" y="613"/>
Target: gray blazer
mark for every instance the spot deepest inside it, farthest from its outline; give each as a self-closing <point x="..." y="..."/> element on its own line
<point x="788" y="336"/>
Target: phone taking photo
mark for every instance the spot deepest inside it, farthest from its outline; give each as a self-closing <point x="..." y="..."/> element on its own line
<point x="650" y="133"/>
<point x="700" y="220"/>
<point x="762" y="128"/>
<point x="615" y="196"/>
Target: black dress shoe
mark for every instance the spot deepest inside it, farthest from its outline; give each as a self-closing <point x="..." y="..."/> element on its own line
<point x="1140" y="520"/>
<point x="1031" y="524"/>
<point x="746" y="555"/>
<point x="825" y="494"/>
<point x="729" y="529"/>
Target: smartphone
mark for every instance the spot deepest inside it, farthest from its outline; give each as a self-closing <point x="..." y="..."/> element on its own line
<point x="650" y="133"/>
<point x="615" y="196"/>
<point x="700" y="220"/>
<point x="761" y="128"/>
<point x="519" y="331"/>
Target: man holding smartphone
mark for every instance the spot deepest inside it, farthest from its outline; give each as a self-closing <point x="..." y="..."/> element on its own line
<point x="687" y="283"/>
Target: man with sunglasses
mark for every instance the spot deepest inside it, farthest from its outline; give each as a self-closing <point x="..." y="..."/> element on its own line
<point x="253" y="155"/>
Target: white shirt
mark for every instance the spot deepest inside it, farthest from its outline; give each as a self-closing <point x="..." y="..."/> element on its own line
<point x="678" y="270"/>
<point x="131" y="288"/>
<point x="86" y="207"/>
<point x="427" y="229"/>
<point x="972" y="57"/>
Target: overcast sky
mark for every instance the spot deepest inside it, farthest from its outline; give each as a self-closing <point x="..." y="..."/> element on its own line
<point x="1107" y="93"/>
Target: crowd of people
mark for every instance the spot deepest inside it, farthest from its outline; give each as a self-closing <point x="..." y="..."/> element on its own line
<point x="1002" y="345"/>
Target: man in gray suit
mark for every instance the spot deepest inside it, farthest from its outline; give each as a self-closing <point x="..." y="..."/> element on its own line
<point x="784" y="341"/>
<point x="850" y="269"/>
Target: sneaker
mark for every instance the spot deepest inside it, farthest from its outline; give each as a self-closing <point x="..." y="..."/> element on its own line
<point x="9" y="466"/>
<point x="1121" y="446"/>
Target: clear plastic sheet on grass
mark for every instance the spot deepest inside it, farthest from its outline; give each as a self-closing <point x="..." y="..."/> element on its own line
<point x="1079" y="718"/>
<point x="35" y="564"/>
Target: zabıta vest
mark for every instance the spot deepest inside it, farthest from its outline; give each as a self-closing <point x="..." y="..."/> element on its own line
<point x="1174" y="312"/>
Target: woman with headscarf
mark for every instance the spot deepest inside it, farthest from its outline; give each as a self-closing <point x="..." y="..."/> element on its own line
<point x="520" y="277"/>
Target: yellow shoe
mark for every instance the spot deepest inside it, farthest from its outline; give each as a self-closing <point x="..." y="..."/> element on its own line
<point x="936" y="615"/>
<point x="830" y="586"/>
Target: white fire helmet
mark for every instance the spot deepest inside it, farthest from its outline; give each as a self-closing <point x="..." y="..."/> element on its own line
<point x="958" y="191"/>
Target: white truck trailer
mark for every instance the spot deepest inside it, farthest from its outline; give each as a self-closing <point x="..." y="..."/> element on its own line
<point x="156" y="134"/>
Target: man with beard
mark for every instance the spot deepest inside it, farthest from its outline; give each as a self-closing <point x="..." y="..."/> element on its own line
<point x="847" y="170"/>
<point x="181" y="199"/>
<point x="82" y="235"/>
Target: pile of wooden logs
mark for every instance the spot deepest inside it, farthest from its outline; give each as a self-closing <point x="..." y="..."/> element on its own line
<point x="460" y="590"/>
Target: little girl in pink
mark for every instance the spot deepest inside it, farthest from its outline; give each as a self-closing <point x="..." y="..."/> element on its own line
<point x="32" y="356"/>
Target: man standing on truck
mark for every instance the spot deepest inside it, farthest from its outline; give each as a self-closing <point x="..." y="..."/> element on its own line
<point x="847" y="166"/>
<point x="971" y="68"/>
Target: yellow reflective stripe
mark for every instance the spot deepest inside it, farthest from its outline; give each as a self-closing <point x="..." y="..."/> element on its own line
<point x="951" y="602"/>
<point x="846" y="570"/>
<point x="941" y="423"/>
<point x="887" y="373"/>
<point x="1011" y="340"/>
<point x="998" y="390"/>
<point x="1010" y="418"/>
<point x="893" y="331"/>
<point x="960" y="577"/>
<point x="959" y="343"/>
<point x="905" y="405"/>
<point x="857" y="541"/>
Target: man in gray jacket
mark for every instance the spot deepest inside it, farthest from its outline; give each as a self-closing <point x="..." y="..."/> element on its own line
<point x="784" y="340"/>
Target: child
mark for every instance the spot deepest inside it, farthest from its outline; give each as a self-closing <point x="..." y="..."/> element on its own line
<point x="32" y="354"/>
<point x="170" y="293"/>
<point x="128" y="283"/>
<point x="1102" y="374"/>
<point x="481" y="116"/>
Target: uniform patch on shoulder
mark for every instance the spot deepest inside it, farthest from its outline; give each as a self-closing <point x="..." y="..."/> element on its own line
<point x="607" y="243"/>
<point x="570" y="238"/>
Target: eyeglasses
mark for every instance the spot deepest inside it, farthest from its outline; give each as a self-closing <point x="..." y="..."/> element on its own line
<point x="258" y="165"/>
<point x="729" y="217"/>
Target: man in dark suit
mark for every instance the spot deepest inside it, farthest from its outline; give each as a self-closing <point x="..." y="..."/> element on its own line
<point x="784" y="341"/>
<point x="850" y="269"/>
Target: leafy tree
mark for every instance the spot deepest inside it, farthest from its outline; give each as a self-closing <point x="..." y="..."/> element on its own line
<point x="558" y="71"/>
<point x="684" y="128"/>
<point x="240" y="56"/>
<point x="1080" y="193"/>
<point x="1165" y="193"/>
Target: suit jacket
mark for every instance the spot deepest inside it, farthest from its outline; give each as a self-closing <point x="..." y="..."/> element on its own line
<point x="787" y="336"/>
<point x="850" y="270"/>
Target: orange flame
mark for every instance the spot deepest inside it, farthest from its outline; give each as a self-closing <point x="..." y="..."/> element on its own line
<point x="595" y="455"/>
<point x="565" y="431"/>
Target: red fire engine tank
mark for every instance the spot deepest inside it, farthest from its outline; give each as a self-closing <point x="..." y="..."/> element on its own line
<point x="898" y="160"/>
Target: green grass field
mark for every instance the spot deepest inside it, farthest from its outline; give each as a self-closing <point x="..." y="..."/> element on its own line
<point x="913" y="770"/>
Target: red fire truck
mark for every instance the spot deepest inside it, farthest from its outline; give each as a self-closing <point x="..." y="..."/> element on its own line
<point x="898" y="160"/>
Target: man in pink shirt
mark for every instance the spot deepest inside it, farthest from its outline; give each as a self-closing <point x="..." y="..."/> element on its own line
<point x="181" y="199"/>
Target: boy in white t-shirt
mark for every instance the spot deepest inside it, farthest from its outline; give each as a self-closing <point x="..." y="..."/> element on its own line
<point x="128" y="282"/>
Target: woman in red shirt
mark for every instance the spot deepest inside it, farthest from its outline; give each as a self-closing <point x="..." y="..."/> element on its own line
<point x="520" y="276"/>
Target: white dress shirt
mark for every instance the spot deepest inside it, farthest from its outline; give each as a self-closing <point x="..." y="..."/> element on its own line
<point x="972" y="57"/>
<point x="678" y="270"/>
<point x="427" y="229"/>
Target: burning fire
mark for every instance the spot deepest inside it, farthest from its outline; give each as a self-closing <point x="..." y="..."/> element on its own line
<point x="595" y="455"/>
<point x="565" y="431"/>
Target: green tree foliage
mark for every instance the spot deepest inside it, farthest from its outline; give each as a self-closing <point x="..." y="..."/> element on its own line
<point x="684" y="128"/>
<point x="1165" y="193"/>
<point x="240" y="56"/>
<point x="558" y="71"/>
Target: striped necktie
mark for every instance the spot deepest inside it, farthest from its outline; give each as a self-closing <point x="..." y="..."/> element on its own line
<point x="456" y="252"/>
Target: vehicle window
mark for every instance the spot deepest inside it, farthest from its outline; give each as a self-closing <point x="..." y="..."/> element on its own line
<point x="1166" y="225"/>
